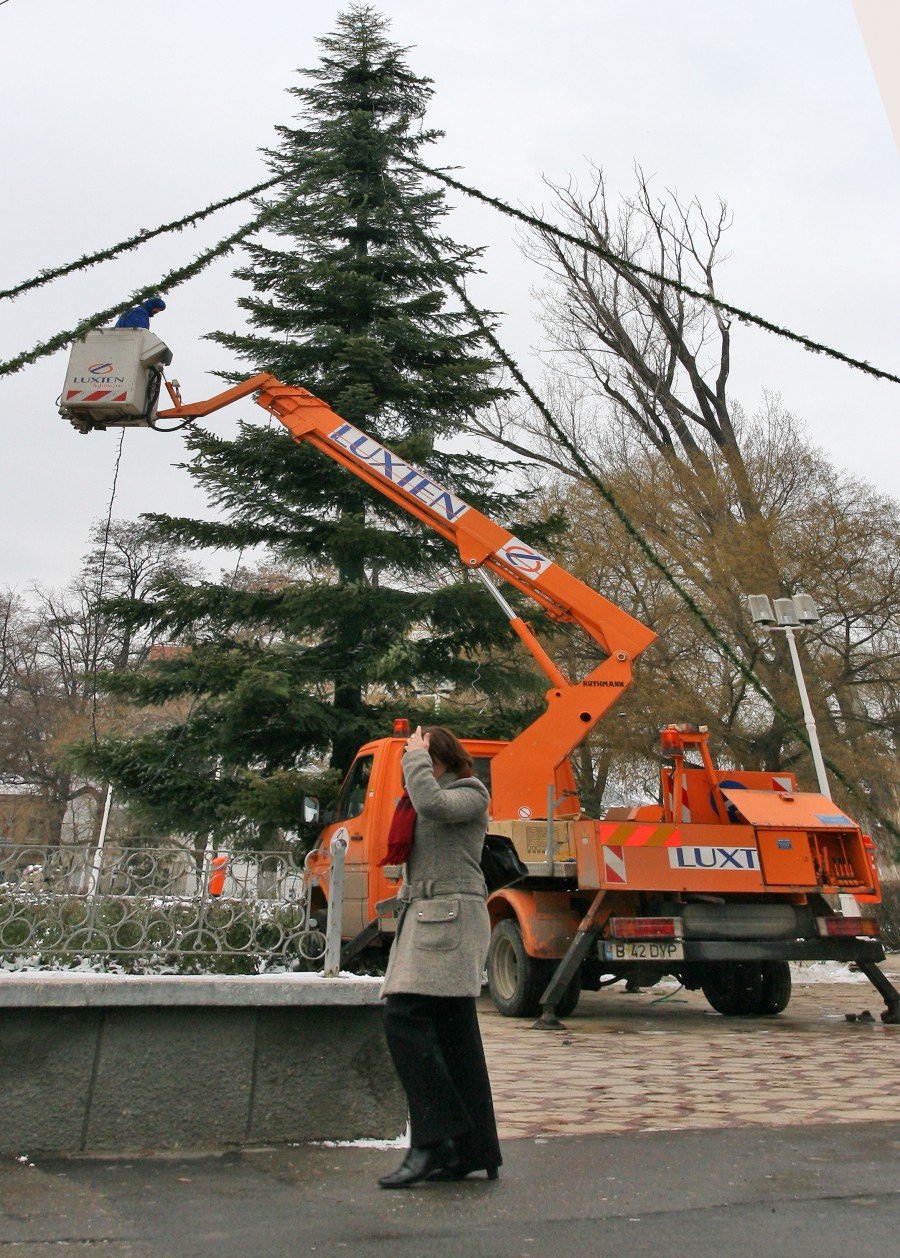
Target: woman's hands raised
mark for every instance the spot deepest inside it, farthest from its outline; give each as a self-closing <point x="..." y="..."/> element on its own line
<point x="418" y="741"/>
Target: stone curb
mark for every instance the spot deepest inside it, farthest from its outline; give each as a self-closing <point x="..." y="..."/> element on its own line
<point x="71" y="991"/>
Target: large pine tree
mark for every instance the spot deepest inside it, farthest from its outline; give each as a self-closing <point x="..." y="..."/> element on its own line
<point x="364" y="614"/>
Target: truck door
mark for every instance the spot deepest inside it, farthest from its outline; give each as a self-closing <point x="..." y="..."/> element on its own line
<point x="354" y="813"/>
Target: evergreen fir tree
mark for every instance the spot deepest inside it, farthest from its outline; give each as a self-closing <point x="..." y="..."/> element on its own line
<point x="357" y="307"/>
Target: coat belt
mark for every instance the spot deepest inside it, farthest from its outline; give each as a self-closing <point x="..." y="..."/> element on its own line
<point x="428" y="888"/>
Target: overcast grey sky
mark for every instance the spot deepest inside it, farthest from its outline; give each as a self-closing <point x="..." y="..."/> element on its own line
<point x="121" y="116"/>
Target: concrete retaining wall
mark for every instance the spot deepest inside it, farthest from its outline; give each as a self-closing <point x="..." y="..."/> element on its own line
<point x="129" y="1064"/>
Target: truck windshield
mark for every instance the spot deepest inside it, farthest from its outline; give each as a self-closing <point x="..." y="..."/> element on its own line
<point x="352" y="798"/>
<point x="482" y="767"/>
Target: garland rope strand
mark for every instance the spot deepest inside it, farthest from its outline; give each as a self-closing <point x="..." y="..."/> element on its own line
<point x="646" y="547"/>
<point x="166" y="283"/>
<point x="745" y="316"/>
<point x="180" y="275"/>
<point x="132" y="242"/>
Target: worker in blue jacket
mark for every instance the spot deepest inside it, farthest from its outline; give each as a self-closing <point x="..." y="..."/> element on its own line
<point x="140" y="316"/>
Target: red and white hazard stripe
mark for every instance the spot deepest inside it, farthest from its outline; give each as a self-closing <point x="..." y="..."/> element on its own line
<point x="614" y="866"/>
<point x="98" y="395"/>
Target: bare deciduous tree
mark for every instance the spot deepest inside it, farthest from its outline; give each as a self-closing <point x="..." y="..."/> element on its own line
<point x="52" y="645"/>
<point x="637" y="376"/>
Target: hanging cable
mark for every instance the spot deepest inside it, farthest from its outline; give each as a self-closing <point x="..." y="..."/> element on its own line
<point x="154" y="427"/>
<point x="95" y="653"/>
<point x="195" y="698"/>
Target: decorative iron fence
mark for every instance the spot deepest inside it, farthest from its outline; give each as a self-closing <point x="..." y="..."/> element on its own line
<point x="165" y="906"/>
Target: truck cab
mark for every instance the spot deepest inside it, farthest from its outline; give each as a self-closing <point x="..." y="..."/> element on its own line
<point x="364" y="810"/>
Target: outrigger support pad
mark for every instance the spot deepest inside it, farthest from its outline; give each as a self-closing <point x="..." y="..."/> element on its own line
<point x="885" y="989"/>
<point x="578" y="949"/>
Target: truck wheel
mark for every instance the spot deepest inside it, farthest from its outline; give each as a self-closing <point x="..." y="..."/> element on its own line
<point x="734" y="988"/>
<point x="515" y="980"/>
<point x="776" y="987"/>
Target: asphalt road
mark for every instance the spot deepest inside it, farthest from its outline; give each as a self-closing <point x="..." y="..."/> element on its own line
<point x="809" y="1192"/>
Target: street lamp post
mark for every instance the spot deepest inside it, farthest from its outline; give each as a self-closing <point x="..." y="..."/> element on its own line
<point x="794" y="613"/>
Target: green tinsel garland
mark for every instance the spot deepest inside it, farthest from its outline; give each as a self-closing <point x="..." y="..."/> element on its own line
<point x="745" y="316"/>
<point x="165" y="284"/>
<point x="132" y="242"/>
<point x="638" y="537"/>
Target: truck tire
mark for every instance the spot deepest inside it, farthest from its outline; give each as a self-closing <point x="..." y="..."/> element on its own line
<point x="734" y="988"/>
<point x="776" y="987"/>
<point x="515" y="980"/>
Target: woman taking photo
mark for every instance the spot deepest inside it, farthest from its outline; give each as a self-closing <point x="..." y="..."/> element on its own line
<point x="436" y="963"/>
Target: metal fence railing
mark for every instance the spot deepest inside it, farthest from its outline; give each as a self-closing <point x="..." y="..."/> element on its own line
<point x="179" y="907"/>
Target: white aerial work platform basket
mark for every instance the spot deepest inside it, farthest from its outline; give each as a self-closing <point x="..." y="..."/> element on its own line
<point x="113" y="378"/>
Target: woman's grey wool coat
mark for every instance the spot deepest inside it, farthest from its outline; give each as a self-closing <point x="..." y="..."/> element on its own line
<point x="443" y="931"/>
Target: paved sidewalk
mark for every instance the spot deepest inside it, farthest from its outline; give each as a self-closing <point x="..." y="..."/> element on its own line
<point x="663" y="1060"/>
<point x="650" y="1125"/>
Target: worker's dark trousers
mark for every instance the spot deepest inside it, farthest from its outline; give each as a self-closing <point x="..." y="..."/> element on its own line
<point x="436" y="1046"/>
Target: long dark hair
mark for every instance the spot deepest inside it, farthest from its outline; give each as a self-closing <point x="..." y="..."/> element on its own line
<point x="446" y="747"/>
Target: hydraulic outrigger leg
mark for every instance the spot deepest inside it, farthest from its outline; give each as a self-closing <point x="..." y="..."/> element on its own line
<point x="885" y="989"/>
<point x="587" y="933"/>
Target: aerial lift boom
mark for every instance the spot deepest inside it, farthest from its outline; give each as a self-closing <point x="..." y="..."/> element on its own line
<point x="538" y="757"/>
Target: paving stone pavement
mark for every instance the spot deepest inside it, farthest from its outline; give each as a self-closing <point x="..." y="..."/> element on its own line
<point x="662" y="1060"/>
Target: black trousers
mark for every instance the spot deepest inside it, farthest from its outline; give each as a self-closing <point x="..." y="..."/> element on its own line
<point x="436" y="1046"/>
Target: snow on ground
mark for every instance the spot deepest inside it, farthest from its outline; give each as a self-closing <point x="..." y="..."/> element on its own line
<point x="802" y="972"/>
<point x="366" y="1142"/>
<point x="81" y="966"/>
<point x="825" y="972"/>
<point x="401" y="1142"/>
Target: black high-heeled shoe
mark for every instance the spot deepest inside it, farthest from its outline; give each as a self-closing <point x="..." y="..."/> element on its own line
<point x="457" y="1172"/>
<point x="420" y="1164"/>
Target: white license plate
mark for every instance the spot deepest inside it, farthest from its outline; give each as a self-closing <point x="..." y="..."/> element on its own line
<point x="642" y="950"/>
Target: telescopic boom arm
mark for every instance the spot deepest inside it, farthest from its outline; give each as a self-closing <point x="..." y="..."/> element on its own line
<point x="522" y="772"/>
